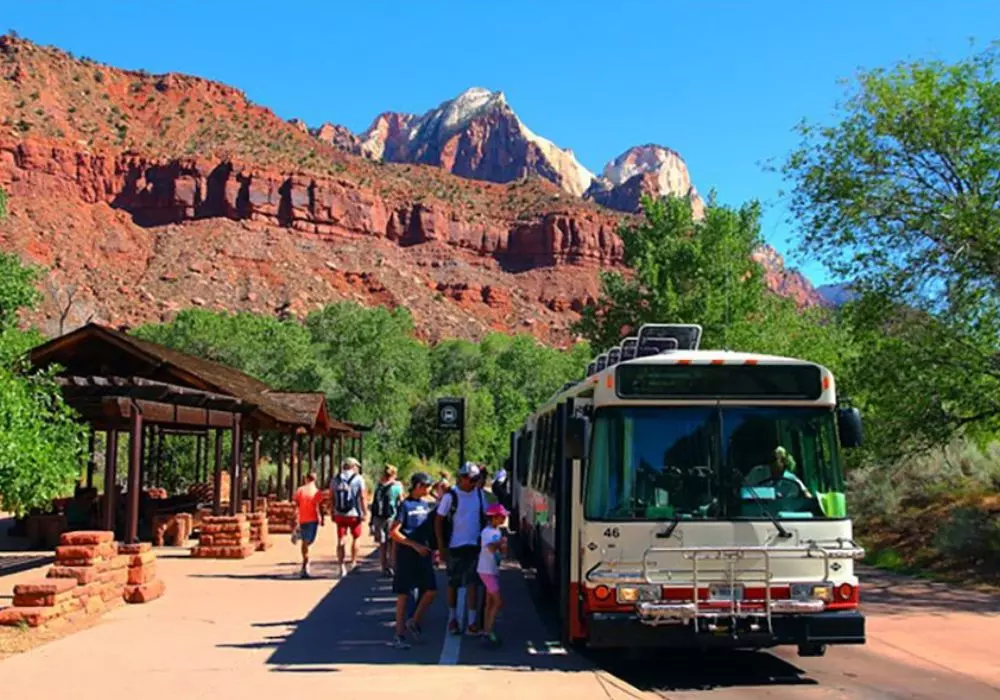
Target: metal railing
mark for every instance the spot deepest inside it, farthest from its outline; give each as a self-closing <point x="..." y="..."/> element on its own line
<point x="737" y="572"/>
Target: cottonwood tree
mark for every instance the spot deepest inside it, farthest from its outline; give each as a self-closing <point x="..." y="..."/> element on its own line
<point x="901" y="196"/>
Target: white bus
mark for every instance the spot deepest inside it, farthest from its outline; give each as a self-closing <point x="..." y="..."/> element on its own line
<point x="681" y="497"/>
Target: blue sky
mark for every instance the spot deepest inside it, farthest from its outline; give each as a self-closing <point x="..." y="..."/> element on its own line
<point x="723" y="83"/>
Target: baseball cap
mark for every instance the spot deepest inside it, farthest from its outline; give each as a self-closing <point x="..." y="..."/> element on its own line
<point x="420" y="479"/>
<point x="469" y="469"/>
<point x="496" y="509"/>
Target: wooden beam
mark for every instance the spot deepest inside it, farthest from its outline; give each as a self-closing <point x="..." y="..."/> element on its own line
<point x="254" y="467"/>
<point x="280" y="458"/>
<point x="234" y="468"/>
<point x="110" y="477"/>
<point x="217" y="492"/>
<point x="134" y="479"/>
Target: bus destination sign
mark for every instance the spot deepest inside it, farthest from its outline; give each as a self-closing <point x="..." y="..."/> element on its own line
<point x="724" y="382"/>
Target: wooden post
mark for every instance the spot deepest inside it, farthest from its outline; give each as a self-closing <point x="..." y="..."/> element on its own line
<point x="134" y="477"/>
<point x="293" y="465"/>
<point x="197" y="457"/>
<point x="333" y="463"/>
<point x="279" y="494"/>
<point x="312" y="453"/>
<point x="91" y="463"/>
<point x="217" y="493"/>
<point x="234" y="468"/>
<point x="254" y="466"/>
<point x="159" y="456"/>
<point x="340" y="454"/>
<point x="110" y="477"/>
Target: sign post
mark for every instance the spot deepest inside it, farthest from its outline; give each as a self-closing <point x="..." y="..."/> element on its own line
<point x="451" y="416"/>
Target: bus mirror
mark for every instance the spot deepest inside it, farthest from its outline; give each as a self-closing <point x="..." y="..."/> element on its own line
<point x="576" y="431"/>
<point x="850" y="428"/>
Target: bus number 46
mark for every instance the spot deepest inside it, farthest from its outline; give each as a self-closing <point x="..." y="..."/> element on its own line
<point x="612" y="532"/>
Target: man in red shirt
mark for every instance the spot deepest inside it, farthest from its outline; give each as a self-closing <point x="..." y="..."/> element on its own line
<point x="308" y="499"/>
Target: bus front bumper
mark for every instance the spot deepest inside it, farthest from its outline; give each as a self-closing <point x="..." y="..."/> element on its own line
<point x="625" y="630"/>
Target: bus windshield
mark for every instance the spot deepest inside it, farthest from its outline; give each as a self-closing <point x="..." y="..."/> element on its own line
<point x="666" y="463"/>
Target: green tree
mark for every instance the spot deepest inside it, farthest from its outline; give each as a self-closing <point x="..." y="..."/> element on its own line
<point x="683" y="271"/>
<point x="41" y="444"/>
<point x="277" y="352"/>
<point x="373" y="369"/>
<point x="900" y="196"/>
<point x="3" y="204"/>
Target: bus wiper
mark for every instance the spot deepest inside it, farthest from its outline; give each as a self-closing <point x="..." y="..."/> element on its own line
<point x="782" y="532"/>
<point x="665" y="534"/>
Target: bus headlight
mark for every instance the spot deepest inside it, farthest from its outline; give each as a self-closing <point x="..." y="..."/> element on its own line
<point x="636" y="594"/>
<point x="811" y="591"/>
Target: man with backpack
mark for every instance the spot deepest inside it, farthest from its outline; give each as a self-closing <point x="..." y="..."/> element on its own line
<point x="385" y="503"/>
<point x="347" y="493"/>
<point x="461" y="517"/>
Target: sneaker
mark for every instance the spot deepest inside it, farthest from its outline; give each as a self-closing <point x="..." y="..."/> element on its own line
<point x="399" y="642"/>
<point x="343" y="571"/>
<point x="473" y="630"/>
<point x="414" y="629"/>
<point x="493" y="640"/>
<point x="304" y="573"/>
<point x="453" y="627"/>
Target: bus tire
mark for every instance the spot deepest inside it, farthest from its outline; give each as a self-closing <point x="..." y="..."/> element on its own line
<point x="812" y="649"/>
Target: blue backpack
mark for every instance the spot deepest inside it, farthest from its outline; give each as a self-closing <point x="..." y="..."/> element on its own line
<point x="345" y="499"/>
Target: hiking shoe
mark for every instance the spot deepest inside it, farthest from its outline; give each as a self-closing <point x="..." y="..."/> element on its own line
<point x="473" y="630"/>
<point x="453" y="627"/>
<point x="414" y="629"/>
<point x="399" y="642"/>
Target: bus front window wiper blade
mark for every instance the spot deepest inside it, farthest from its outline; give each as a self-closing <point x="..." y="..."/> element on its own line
<point x="782" y="532"/>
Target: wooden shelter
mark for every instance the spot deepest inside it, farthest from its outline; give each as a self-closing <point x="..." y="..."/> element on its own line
<point x="119" y="382"/>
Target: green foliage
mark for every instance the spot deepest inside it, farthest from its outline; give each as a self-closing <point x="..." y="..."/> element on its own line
<point x="277" y="352"/>
<point x="685" y="271"/>
<point x="373" y="369"/>
<point x="900" y="196"/>
<point x="971" y="535"/>
<point x="40" y="442"/>
<point x="3" y="204"/>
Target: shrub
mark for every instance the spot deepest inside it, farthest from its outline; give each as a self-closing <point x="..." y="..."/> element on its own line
<point x="971" y="535"/>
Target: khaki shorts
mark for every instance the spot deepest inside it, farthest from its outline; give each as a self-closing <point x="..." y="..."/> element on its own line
<point x="380" y="529"/>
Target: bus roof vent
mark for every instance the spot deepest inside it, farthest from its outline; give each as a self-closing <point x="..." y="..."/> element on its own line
<point x="602" y="362"/>
<point x="591" y="368"/>
<point x="655" y="338"/>
<point x="614" y="355"/>
<point x="628" y="347"/>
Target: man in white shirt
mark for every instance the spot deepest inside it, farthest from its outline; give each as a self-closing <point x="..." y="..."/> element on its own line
<point x="461" y="517"/>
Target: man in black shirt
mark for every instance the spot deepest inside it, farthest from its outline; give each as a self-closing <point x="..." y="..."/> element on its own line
<point x="413" y="532"/>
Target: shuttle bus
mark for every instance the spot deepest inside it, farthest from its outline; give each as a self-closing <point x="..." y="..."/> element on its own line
<point x="678" y="497"/>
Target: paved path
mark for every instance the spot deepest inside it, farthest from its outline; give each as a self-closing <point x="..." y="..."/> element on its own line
<point x="252" y="630"/>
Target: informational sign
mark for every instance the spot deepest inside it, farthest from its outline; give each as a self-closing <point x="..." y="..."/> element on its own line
<point x="451" y="413"/>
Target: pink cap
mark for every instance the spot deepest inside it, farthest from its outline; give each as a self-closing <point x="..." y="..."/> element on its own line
<point x="496" y="509"/>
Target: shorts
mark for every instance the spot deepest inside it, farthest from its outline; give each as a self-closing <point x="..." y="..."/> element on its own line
<point x="380" y="529"/>
<point x="348" y="522"/>
<point x="491" y="582"/>
<point x="413" y="571"/>
<point x="307" y="532"/>
<point x="462" y="563"/>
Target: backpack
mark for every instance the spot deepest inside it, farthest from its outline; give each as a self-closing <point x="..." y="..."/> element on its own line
<point x="449" y="519"/>
<point x="382" y="505"/>
<point x="344" y="500"/>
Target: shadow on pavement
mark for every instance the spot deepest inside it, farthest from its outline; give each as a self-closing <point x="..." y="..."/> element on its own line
<point x="893" y="594"/>
<point x="658" y="671"/>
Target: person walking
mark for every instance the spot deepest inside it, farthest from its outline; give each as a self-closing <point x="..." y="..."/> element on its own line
<point x="412" y="530"/>
<point x="308" y="516"/>
<point x="347" y="492"/>
<point x="493" y="547"/>
<point x="461" y="517"/>
<point x="385" y="502"/>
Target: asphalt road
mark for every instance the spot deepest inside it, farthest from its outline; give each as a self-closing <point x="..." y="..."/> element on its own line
<point x="252" y="629"/>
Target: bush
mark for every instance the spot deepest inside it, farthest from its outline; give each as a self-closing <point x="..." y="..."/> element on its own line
<point x="971" y="535"/>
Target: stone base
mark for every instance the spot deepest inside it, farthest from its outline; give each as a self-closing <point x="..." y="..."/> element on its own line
<point x="213" y="552"/>
<point x="145" y="592"/>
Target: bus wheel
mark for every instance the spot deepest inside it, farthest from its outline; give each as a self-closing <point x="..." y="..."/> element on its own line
<point x="812" y="649"/>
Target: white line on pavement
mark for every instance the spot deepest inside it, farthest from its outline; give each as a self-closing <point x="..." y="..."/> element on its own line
<point x="453" y="642"/>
